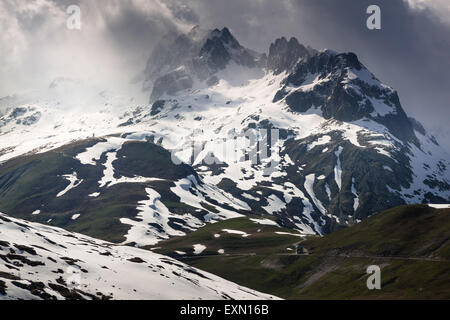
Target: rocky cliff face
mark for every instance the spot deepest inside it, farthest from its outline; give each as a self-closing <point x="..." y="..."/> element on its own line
<point x="346" y="91"/>
<point x="284" y="55"/>
<point x="177" y="62"/>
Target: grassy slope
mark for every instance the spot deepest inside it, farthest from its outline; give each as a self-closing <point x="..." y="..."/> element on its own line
<point x="262" y="239"/>
<point x="31" y="182"/>
<point x="409" y="243"/>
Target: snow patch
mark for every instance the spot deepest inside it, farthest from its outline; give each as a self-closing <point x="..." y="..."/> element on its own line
<point x="266" y="222"/>
<point x="337" y="168"/>
<point x="439" y="206"/>
<point x="356" y="199"/>
<point x="152" y="222"/>
<point x="275" y="204"/>
<point x="242" y="233"/>
<point x="127" y="276"/>
<point x="73" y="183"/>
<point x="309" y="187"/>
<point x="322" y="140"/>
<point x="198" y="248"/>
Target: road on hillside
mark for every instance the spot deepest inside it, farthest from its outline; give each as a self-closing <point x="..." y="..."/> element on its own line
<point x="331" y="255"/>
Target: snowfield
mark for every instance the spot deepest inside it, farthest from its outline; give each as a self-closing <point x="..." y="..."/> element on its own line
<point x="42" y="262"/>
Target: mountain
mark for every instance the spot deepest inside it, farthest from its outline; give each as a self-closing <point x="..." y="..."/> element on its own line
<point x="409" y="243"/>
<point x="42" y="262"/>
<point x="122" y="189"/>
<point x="341" y="146"/>
<point x="284" y="55"/>
<point x="177" y="64"/>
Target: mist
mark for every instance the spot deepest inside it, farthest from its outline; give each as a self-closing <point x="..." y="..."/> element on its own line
<point x="109" y="52"/>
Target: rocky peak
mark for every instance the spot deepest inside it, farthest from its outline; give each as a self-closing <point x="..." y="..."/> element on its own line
<point x="345" y="90"/>
<point x="180" y="59"/>
<point x="284" y="54"/>
<point x="221" y="47"/>
<point x="215" y="51"/>
<point x="223" y="36"/>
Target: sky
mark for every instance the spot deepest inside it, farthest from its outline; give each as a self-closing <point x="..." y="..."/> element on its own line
<point x="409" y="53"/>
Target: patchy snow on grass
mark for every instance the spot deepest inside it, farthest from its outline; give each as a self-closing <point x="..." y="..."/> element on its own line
<point x="199" y="248"/>
<point x="73" y="183"/>
<point x="439" y="206"/>
<point x="92" y="154"/>
<point x="94" y="195"/>
<point x="108" y="174"/>
<point x="290" y="234"/>
<point x="152" y="222"/>
<point x="266" y="222"/>
<point x="241" y="233"/>
<point x="109" y="270"/>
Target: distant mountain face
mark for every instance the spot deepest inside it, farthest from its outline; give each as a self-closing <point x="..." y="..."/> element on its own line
<point x="340" y="146"/>
<point x="175" y="65"/>
<point x="42" y="262"/>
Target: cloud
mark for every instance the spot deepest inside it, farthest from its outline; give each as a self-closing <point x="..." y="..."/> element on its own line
<point x="439" y="8"/>
<point x="112" y="46"/>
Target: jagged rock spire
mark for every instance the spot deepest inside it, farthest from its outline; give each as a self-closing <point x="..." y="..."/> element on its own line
<point x="284" y="55"/>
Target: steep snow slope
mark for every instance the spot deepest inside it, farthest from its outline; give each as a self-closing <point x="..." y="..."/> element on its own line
<point x="41" y="262"/>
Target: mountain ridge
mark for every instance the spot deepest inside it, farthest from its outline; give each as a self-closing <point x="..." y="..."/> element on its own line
<point x="346" y="148"/>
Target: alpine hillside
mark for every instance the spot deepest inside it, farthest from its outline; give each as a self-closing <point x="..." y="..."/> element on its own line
<point x="340" y="146"/>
